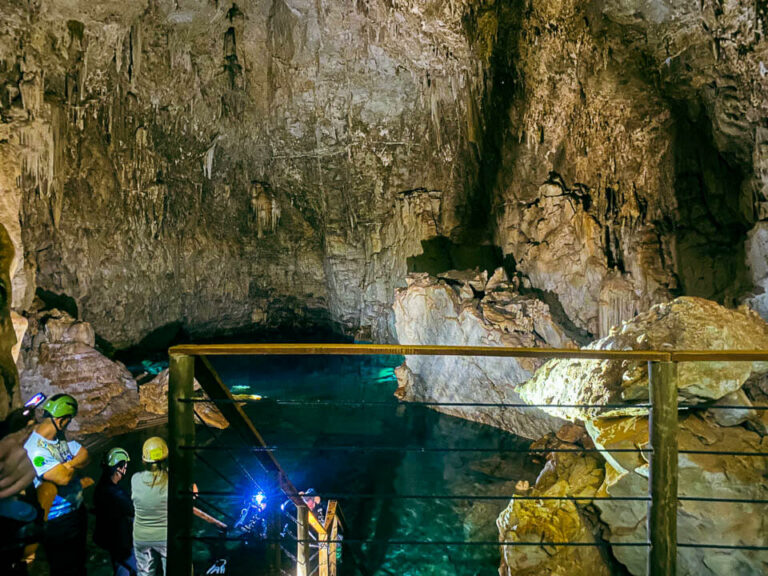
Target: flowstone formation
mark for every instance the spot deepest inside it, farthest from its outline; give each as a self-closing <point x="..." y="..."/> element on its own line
<point x="684" y="323"/>
<point x="466" y="308"/>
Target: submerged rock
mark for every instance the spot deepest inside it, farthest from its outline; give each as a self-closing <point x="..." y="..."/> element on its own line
<point x="154" y="400"/>
<point x="686" y="323"/>
<point x="433" y="311"/>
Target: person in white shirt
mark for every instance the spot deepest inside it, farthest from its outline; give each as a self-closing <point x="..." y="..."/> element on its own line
<point x="57" y="463"/>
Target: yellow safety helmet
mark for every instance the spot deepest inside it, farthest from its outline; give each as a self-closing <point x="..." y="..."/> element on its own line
<point x="155" y="450"/>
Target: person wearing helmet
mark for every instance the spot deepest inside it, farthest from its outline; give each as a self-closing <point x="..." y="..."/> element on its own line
<point x="114" y="513"/>
<point x="57" y="463"/>
<point x="149" y="490"/>
<point x="253" y="520"/>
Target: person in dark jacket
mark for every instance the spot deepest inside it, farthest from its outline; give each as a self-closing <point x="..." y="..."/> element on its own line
<point x="114" y="514"/>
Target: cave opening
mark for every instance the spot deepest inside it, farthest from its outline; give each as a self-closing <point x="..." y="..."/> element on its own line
<point x="440" y="254"/>
<point x="715" y="211"/>
<point x="59" y="301"/>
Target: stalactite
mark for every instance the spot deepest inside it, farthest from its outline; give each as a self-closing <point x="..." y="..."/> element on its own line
<point x="208" y="164"/>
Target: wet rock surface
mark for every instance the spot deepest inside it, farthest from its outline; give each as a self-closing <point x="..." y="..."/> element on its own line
<point x="463" y="311"/>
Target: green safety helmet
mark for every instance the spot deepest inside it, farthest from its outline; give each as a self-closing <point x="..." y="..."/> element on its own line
<point x="60" y="405"/>
<point x="116" y="456"/>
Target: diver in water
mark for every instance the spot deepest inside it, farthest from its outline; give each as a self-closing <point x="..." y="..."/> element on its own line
<point x="253" y="517"/>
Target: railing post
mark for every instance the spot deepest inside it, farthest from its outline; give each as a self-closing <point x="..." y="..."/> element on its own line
<point x="334" y="535"/>
<point x="662" y="430"/>
<point x="302" y="535"/>
<point x="181" y="431"/>
<point x="273" y="540"/>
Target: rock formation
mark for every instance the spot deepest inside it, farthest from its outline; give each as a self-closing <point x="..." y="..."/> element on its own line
<point x="60" y="357"/>
<point x="685" y="323"/>
<point x="564" y="474"/>
<point x="211" y="165"/>
<point x="10" y="329"/>
<point x="465" y="308"/>
<point x="208" y="166"/>
<point x="154" y="400"/>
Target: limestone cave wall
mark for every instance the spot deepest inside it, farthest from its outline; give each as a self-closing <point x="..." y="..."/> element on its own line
<point x="212" y="166"/>
<point x="218" y="165"/>
<point x="631" y="167"/>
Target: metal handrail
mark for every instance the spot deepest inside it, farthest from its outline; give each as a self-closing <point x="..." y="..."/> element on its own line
<point x="662" y="364"/>
<point x="492" y="351"/>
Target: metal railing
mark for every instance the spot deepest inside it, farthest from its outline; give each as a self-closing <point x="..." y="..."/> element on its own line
<point x="188" y="362"/>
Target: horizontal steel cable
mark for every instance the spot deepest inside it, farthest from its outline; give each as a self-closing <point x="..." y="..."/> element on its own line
<point x="419" y="449"/>
<point x="358" y="496"/>
<point x="722" y="546"/>
<point x="520" y="405"/>
<point x="429" y="542"/>
<point x="437" y="449"/>
<point x="371" y="496"/>
<point x="485" y="543"/>
<point x="393" y="403"/>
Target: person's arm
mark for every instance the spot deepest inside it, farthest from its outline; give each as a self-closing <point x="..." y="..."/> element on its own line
<point x="241" y="520"/>
<point x="81" y="458"/>
<point x="60" y="475"/>
<point x="16" y="470"/>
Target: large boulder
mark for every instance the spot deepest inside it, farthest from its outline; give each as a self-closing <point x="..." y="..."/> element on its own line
<point x="524" y="520"/>
<point x="468" y="309"/>
<point x="59" y="356"/>
<point x="685" y="323"/>
<point x="700" y="475"/>
<point x="728" y="423"/>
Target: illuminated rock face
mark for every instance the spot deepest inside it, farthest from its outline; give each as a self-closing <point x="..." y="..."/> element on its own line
<point x="471" y="310"/>
<point x="685" y="323"/>
<point x="554" y="521"/>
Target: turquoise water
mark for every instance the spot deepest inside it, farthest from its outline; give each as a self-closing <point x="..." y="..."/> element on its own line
<point x="366" y="469"/>
<point x="358" y="471"/>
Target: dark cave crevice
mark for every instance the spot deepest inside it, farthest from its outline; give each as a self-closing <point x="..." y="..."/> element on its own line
<point x="499" y="46"/>
<point x="440" y="254"/>
<point x="714" y="214"/>
<point x="61" y="302"/>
